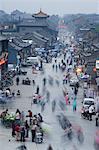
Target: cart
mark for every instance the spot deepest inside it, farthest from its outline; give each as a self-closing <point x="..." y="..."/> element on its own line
<point x="39" y="137"/>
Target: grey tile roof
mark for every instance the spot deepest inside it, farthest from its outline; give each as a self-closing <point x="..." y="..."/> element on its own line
<point x="20" y="43"/>
<point x="15" y="46"/>
<point x="31" y="23"/>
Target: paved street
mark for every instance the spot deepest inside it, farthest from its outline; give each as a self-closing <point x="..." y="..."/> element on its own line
<point x="55" y="137"/>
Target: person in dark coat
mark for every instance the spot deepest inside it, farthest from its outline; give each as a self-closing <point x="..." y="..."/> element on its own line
<point x="44" y="81"/>
<point x="22" y="134"/>
<point x="33" y="131"/>
<point x="27" y="129"/>
<point x="50" y="148"/>
<point x="17" y="80"/>
<point x="13" y="129"/>
<point x="37" y="90"/>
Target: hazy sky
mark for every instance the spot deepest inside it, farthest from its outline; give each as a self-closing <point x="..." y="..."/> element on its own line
<point x="51" y="6"/>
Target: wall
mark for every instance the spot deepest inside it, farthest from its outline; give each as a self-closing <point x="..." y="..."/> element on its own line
<point x="12" y="55"/>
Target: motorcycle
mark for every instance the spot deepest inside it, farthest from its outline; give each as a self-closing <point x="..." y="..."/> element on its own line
<point x="85" y="114"/>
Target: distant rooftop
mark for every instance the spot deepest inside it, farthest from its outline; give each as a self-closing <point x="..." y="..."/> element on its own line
<point x="18" y="48"/>
<point x="40" y="14"/>
<point x="32" y="23"/>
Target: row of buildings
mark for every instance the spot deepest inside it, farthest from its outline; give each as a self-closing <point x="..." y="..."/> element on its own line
<point x="21" y="41"/>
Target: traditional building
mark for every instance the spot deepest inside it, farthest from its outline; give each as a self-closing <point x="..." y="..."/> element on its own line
<point x="38" y="24"/>
<point x="17" y="49"/>
<point x="3" y="56"/>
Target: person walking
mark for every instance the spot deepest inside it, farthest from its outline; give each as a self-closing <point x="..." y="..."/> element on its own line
<point x="97" y="118"/>
<point x="17" y="132"/>
<point x="13" y="129"/>
<point x="53" y="105"/>
<point x="30" y="115"/>
<point x="53" y="66"/>
<point x="75" y="91"/>
<point x="44" y="81"/>
<point x="33" y="131"/>
<point x="42" y="106"/>
<point x="67" y="99"/>
<point x="74" y="104"/>
<point x="91" y="109"/>
<point x="22" y="131"/>
<point x="56" y="67"/>
<point x="37" y="90"/>
<point x="33" y="82"/>
<point x="50" y="147"/>
<point x="27" y="129"/>
<point x="17" y="80"/>
<point x="48" y="96"/>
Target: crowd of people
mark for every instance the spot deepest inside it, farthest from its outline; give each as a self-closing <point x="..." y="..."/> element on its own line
<point x="22" y="124"/>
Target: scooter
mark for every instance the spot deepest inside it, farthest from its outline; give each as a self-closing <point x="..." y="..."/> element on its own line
<point x="85" y="114"/>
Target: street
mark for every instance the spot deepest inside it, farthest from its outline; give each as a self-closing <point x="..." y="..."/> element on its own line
<point x="56" y="134"/>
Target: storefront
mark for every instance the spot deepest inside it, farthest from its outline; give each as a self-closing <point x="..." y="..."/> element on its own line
<point x="3" y="57"/>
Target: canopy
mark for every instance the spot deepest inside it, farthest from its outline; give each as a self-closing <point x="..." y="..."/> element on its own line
<point x="85" y="77"/>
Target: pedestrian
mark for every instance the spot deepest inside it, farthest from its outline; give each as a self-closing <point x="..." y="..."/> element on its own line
<point x="30" y="115"/>
<point x="74" y="104"/>
<point x="17" y="80"/>
<point x="27" y="129"/>
<point x="13" y="94"/>
<point x="97" y="118"/>
<point x="13" y="129"/>
<point x="18" y="116"/>
<point x="64" y="56"/>
<point x="55" y="60"/>
<point x="42" y="106"/>
<point x="40" y="118"/>
<point x="75" y="91"/>
<point x="17" y="132"/>
<point x="67" y="61"/>
<point x="37" y="90"/>
<point x="56" y="67"/>
<point x="53" y="66"/>
<point x="33" y="131"/>
<point x="53" y="105"/>
<point x="48" y="96"/>
<point x="91" y="109"/>
<point x="59" y="65"/>
<point x="67" y="99"/>
<point x="22" y="116"/>
<point x="44" y="81"/>
<point x="77" y="85"/>
<point x="50" y="147"/>
<point x="22" y="131"/>
<point x="33" y="82"/>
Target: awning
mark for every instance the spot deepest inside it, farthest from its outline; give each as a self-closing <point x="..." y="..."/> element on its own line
<point x="2" y="61"/>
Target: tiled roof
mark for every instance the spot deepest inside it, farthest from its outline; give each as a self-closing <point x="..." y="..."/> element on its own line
<point x="15" y="46"/>
<point x="40" y="14"/>
<point x="20" y="43"/>
<point x="32" y="23"/>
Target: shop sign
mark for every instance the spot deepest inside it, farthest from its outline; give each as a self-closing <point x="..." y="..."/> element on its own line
<point x="97" y="64"/>
<point x="4" y="56"/>
<point x="0" y="74"/>
<point x="2" y="61"/>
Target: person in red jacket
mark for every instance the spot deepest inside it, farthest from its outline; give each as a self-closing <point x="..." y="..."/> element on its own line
<point x="17" y="131"/>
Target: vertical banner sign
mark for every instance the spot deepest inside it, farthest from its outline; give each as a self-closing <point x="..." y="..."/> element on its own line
<point x="97" y="64"/>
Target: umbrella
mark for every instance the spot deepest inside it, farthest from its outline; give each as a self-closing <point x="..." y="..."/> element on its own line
<point x="85" y="77"/>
